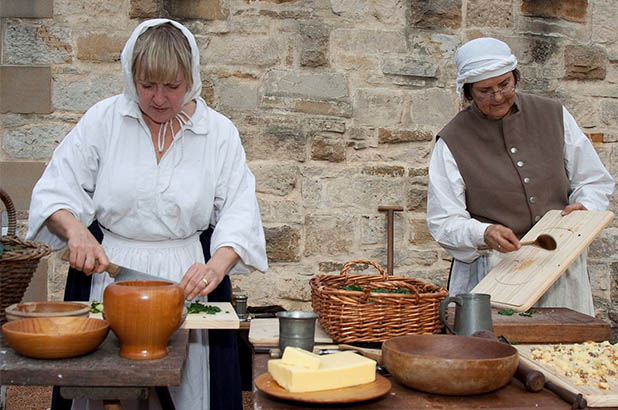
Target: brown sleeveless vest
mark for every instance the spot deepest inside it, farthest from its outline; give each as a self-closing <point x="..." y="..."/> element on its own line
<point x="513" y="168"/>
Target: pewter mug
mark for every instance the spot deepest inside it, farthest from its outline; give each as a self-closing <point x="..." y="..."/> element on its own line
<point x="472" y="313"/>
<point x="296" y="329"/>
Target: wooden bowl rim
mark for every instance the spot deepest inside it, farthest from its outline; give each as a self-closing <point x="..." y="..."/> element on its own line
<point x="9" y="326"/>
<point x="80" y="309"/>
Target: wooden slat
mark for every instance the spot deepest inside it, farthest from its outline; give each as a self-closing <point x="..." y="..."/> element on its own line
<point x="593" y="395"/>
<point x="522" y="277"/>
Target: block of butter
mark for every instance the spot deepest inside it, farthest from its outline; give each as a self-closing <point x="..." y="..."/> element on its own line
<point x="295" y="356"/>
<point x="336" y="370"/>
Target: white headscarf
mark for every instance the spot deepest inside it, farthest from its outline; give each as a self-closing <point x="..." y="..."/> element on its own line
<point x="481" y="59"/>
<point x="126" y="59"/>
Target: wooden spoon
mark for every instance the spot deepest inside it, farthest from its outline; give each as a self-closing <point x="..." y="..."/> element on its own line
<point x="543" y="241"/>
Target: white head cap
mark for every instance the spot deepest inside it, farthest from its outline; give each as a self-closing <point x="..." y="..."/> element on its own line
<point x="481" y="59"/>
<point x="126" y="59"/>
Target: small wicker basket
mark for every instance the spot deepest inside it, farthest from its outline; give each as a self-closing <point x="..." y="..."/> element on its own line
<point x="366" y="316"/>
<point x="18" y="261"/>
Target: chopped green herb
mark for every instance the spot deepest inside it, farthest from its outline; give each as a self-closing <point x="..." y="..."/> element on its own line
<point x="529" y="313"/>
<point x="96" y="307"/>
<point x="198" y="307"/>
<point x="506" y="312"/>
<point x="355" y="288"/>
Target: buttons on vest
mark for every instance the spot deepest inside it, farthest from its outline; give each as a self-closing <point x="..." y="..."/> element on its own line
<point x="513" y="150"/>
<point x="520" y="163"/>
<point x="532" y="199"/>
<point x="526" y="180"/>
<point x="536" y="218"/>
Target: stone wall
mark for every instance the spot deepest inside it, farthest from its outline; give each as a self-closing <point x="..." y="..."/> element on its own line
<point x="337" y="103"/>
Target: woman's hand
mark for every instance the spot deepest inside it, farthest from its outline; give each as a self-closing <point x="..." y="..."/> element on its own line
<point x="85" y="253"/>
<point x="573" y="207"/>
<point x="201" y="279"/>
<point x="501" y="238"/>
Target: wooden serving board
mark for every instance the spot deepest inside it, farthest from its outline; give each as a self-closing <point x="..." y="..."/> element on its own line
<point x="522" y="277"/>
<point x="265" y="332"/>
<point x="547" y="325"/>
<point x="593" y="395"/>
<point x="352" y="394"/>
<point x="226" y="319"/>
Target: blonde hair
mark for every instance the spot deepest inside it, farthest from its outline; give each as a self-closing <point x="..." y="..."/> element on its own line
<point x="160" y="53"/>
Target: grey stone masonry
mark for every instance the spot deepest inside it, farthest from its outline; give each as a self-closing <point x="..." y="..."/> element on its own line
<point x="27" y="8"/>
<point x="25" y="89"/>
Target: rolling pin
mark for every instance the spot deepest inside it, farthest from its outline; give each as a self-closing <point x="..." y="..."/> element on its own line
<point x="533" y="380"/>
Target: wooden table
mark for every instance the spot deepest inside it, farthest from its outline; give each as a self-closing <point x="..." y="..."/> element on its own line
<point x="102" y="374"/>
<point x="512" y="396"/>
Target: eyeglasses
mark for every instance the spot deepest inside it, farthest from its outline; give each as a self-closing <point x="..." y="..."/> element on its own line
<point x="506" y="91"/>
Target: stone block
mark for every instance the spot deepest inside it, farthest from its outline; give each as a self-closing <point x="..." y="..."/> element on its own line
<point x="364" y="42"/>
<point x="196" y="9"/>
<point x="605" y="244"/>
<point x="605" y="16"/>
<point x="435" y="14"/>
<point x="328" y="148"/>
<point x="384" y="170"/>
<point x="432" y="108"/>
<point x="362" y="138"/>
<point x="378" y="107"/>
<point x="144" y="8"/>
<point x="320" y="86"/>
<point x="396" y="136"/>
<point x="278" y="210"/>
<point x="572" y="10"/>
<point x="374" y="228"/>
<point x="275" y="178"/>
<point x="243" y="50"/>
<point x="284" y="141"/>
<point x="25" y="89"/>
<point x="282" y="243"/>
<point x="18" y="179"/>
<point x="37" y="9"/>
<point x="365" y="12"/>
<point x="234" y="95"/>
<point x="584" y="63"/>
<point x="419" y="233"/>
<point x="29" y="43"/>
<point x="416" y="199"/>
<point x="78" y="92"/>
<point x="35" y="142"/>
<point x="100" y="48"/>
<point x="609" y="112"/>
<point x="37" y="289"/>
<point x="490" y="13"/>
<point x="413" y="66"/>
<point x="329" y="234"/>
<point x="314" y="44"/>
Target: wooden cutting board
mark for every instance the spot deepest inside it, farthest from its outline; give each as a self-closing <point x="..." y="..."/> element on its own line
<point x="546" y="326"/>
<point x="522" y="277"/>
<point x="593" y="395"/>
<point x="226" y="319"/>
<point x="265" y="332"/>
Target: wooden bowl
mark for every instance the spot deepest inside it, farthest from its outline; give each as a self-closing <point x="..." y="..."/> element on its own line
<point x="450" y="365"/>
<point x="144" y="315"/>
<point x="55" y="337"/>
<point x="29" y="310"/>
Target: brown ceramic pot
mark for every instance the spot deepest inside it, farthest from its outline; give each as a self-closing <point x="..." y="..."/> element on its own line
<point x="143" y="315"/>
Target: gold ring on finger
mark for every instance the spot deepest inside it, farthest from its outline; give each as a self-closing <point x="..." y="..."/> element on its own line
<point x="205" y="281"/>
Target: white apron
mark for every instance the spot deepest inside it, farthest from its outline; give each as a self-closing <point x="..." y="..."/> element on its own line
<point x="169" y="260"/>
<point x="572" y="289"/>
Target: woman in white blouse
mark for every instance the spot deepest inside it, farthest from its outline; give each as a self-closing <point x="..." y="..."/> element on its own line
<point x="155" y="166"/>
<point x="500" y="165"/>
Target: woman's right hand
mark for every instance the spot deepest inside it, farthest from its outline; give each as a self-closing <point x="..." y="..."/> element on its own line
<point x="501" y="238"/>
<point x="85" y="253"/>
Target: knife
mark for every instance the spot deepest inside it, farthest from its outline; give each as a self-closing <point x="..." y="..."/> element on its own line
<point x="123" y="274"/>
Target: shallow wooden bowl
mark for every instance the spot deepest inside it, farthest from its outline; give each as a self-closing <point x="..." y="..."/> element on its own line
<point x="30" y="310"/>
<point x="450" y="365"/>
<point x="55" y="337"/>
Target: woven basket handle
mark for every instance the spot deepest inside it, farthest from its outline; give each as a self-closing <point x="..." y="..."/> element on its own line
<point x="10" y="209"/>
<point x="376" y="265"/>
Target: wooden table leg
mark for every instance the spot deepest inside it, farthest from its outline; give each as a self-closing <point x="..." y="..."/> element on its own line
<point x="112" y="405"/>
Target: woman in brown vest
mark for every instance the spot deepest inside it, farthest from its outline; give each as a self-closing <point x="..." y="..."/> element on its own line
<point x="500" y="164"/>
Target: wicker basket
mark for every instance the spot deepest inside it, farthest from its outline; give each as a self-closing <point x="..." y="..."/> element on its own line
<point x="365" y="316"/>
<point x="18" y="261"/>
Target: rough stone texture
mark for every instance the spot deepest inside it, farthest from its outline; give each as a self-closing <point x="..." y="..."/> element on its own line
<point x="282" y="244"/>
<point x="31" y="9"/>
<point x="337" y="103"/>
<point x="572" y="10"/>
<point x="490" y="13"/>
<point x="584" y="63"/>
<point x="25" y="89"/>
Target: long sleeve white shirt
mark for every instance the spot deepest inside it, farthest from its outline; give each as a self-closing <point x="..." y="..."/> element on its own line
<point x="450" y="223"/>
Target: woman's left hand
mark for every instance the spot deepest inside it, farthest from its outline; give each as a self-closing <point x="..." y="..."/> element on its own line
<point x="201" y="279"/>
<point x="573" y="207"/>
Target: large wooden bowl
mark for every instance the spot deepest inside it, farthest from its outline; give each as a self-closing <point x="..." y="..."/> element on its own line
<point x="55" y="337"/>
<point x="450" y="365"/>
<point x="144" y="315"/>
<point x="30" y="310"/>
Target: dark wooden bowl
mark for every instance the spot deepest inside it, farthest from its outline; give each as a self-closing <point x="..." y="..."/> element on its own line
<point x="450" y="365"/>
<point x="55" y="337"/>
